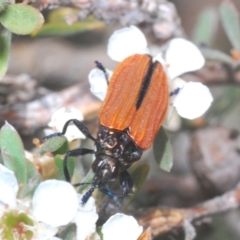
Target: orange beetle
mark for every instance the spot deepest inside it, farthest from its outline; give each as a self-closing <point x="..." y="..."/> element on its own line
<point x="130" y="116"/>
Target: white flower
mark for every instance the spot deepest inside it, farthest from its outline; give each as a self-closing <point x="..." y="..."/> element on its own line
<point x="85" y="218"/>
<point x="121" y="226"/>
<point x="8" y="186"/>
<point x="200" y="96"/>
<point x="98" y="82"/>
<point x="10" y="206"/>
<point x="126" y="42"/>
<point x="61" y="116"/>
<point x="178" y="56"/>
<point x="55" y="203"/>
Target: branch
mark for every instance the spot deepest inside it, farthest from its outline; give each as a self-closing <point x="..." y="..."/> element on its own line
<point x="157" y="16"/>
<point x="27" y="117"/>
<point x="163" y="220"/>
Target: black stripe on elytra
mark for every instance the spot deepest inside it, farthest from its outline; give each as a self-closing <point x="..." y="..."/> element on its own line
<point x="145" y="84"/>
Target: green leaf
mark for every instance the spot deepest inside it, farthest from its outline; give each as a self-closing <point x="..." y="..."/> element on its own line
<point x="55" y="145"/>
<point x="87" y="179"/>
<point x="21" y="19"/>
<point x="68" y="233"/>
<point x="5" y="40"/>
<point x="225" y="104"/>
<point x="99" y="232"/>
<point x="167" y="158"/>
<point x="231" y="22"/>
<point x="13" y="152"/>
<point x="31" y="170"/>
<point x="31" y="185"/>
<point x="61" y="14"/>
<point x="216" y="55"/>
<point x="138" y="172"/>
<point x="63" y="29"/>
<point x="13" y="157"/>
<point x="70" y="165"/>
<point x="57" y="24"/>
<point x="162" y="150"/>
<point x="206" y="26"/>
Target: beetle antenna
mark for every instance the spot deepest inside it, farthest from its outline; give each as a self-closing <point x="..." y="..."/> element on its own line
<point x="103" y="69"/>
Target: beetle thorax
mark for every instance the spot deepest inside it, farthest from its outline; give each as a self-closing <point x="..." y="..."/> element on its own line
<point x="118" y="145"/>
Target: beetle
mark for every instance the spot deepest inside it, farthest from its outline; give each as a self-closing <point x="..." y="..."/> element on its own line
<point x="129" y="118"/>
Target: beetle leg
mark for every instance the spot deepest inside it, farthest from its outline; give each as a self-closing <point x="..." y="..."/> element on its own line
<point x="126" y="182"/>
<point x="111" y="194"/>
<point x="78" y="124"/>
<point x="87" y="195"/>
<point x="74" y="153"/>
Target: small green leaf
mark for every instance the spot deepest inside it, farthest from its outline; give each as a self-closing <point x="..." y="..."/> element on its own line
<point x="99" y="232"/>
<point x="63" y="29"/>
<point x="163" y="150"/>
<point x="55" y="145"/>
<point x="225" y="103"/>
<point x="231" y="22"/>
<point x="216" y="55"/>
<point x="206" y="26"/>
<point x="70" y="165"/>
<point x="29" y="188"/>
<point x="21" y="19"/>
<point x="5" y="40"/>
<point x="59" y="164"/>
<point x="31" y="170"/>
<point x="68" y="232"/>
<point x="13" y="152"/>
<point x="87" y="179"/>
<point x="138" y="172"/>
<point x="167" y="159"/>
<point x="57" y="24"/>
<point x="61" y="14"/>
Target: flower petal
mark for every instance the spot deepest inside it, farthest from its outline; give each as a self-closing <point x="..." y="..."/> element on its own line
<point x="64" y="114"/>
<point x="126" y="42"/>
<point x="172" y="121"/>
<point x="182" y="56"/>
<point x="193" y="100"/>
<point x="86" y="218"/>
<point x="98" y="82"/>
<point x="55" y="202"/>
<point x="8" y="186"/>
<point x="45" y="232"/>
<point x="61" y="116"/>
<point x="175" y="85"/>
<point x="121" y="226"/>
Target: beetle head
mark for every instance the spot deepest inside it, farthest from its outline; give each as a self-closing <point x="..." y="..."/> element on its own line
<point x="106" y="169"/>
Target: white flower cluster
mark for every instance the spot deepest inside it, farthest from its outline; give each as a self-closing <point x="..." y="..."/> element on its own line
<point x="55" y="204"/>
